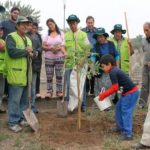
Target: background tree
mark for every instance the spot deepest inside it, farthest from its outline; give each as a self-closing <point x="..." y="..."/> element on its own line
<point x="137" y="42"/>
<point x="26" y="10"/>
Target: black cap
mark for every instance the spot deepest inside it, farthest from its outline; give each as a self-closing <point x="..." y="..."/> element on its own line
<point x="73" y="18"/>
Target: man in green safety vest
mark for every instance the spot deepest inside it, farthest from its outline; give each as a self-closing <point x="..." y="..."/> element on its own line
<point x="2" y="57"/>
<point x="123" y="45"/>
<point x="18" y="48"/>
<point x="76" y="40"/>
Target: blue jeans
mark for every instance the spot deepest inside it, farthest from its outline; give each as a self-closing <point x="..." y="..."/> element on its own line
<point x="33" y="91"/>
<point x="17" y="103"/>
<point x="84" y="97"/>
<point x="67" y="82"/>
<point x="124" y="112"/>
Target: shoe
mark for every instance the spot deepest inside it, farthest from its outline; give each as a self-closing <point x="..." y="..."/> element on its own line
<point x="34" y="109"/>
<point x="115" y="130"/>
<point x="48" y="95"/>
<point x="141" y="106"/>
<point x="83" y="109"/>
<point x="16" y="128"/>
<point x="2" y="111"/>
<point x="5" y="97"/>
<point x="59" y="94"/>
<point x="24" y="123"/>
<point x="38" y="96"/>
<point x="125" y="138"/>
<point x="139" y="146"/>
<point x="107" y="109"/>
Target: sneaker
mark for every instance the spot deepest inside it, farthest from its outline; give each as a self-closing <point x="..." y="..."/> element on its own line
<point x="16" y="128"/>
<point x="141" y="106"/>
<point x="48" y="95"/>
<point x="139" y="146"/>
<point x="83" y="109"/>
<point x="24" y="123"/>
<point x="125" y="138"/>
<point x="35" y="110"/>
<point x="2" y="111"/>
<point x="116" y="130"/>
<point x="38" y="96"/>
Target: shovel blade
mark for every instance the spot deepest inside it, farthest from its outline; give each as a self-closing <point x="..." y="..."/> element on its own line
<point x="62" y="109"/>
<point x="31" y="119"/>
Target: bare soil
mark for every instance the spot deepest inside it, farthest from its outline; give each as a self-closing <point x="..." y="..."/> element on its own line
<point x="62" y="133"/>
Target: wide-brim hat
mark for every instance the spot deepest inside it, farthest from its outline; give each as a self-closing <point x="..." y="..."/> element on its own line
<point x="100" y="31"/>
<point x="73" y="18"/>
<point x="22" y="19"/>
<point x="118" y="27"/>
<point x="2" y="9"/>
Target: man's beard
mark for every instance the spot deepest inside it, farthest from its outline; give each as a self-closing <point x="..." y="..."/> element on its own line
<point x="13" y="19"/>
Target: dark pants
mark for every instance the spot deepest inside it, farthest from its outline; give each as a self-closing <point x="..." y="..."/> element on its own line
<point x="38" y="83"/>
<point x="145" y="89"/>
<point x="6" y="87"/>
<point x="90" y="85"/>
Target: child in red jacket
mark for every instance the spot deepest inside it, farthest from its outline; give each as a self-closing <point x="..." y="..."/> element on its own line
<point x="126" y="104"/>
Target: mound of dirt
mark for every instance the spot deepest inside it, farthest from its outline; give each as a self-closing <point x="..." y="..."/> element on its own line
<point x="63" y="131"/>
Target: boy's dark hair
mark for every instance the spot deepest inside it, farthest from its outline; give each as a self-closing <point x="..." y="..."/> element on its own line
<point x="14" y="8"/>
<point x="106" y="59"/>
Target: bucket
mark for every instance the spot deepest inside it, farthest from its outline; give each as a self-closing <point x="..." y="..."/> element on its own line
<point x="104" y="104"/>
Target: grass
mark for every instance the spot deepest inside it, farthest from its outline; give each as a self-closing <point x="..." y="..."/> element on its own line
<point x="17" y="142"/>
<point x="4" y="137"/>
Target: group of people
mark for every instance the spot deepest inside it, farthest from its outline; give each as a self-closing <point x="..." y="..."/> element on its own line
<point x="20" y="41"/>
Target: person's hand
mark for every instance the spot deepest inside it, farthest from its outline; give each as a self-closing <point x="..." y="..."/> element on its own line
<point x="129" y="42"/>
<point x="65" y="53"/>
<point x="148" y="64"/>
<point x="30" y="54"/>
<point x="100" y="97"/>
<point x="29" y="49"/>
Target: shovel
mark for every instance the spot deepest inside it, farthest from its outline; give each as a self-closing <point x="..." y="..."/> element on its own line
<point x="28" y="113"/>
<point x="62" y="106"/>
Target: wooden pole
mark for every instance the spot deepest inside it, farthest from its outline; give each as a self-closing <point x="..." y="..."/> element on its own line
<point x="126" y="21"/>
<point x="128" y="37"/>
<point x="79" y="100"/>
<point x="64" y="16"/>
<point x="78" y="90"/>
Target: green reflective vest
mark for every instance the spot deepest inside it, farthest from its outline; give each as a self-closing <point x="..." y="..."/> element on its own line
<point x="16" y="68"/>
<point x="2" y="58"/>
<point x="124" y="53"/>
<point x="77" y="41"/>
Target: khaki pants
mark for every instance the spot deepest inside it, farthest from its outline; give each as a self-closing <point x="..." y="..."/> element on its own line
<point x="145" y="140"/>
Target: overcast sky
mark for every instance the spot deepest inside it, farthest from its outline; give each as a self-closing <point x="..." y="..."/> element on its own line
<point x="106" y="12"/>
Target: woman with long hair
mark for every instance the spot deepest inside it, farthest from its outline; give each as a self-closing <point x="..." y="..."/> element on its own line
<point x="53" y="44"/>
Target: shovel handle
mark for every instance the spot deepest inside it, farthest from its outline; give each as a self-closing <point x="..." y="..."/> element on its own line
<point x="29" y="59"/>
